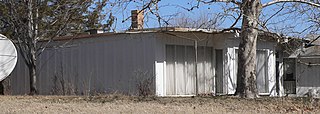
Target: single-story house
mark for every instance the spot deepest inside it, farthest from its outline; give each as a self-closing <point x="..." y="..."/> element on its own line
<point x="302" y="70"/>
<point x="168" y="61"/>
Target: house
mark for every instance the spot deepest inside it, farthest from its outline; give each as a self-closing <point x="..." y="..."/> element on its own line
<point x="301" y="70"/>
<point x="168" y="61"/>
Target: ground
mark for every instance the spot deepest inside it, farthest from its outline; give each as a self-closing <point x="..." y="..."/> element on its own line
<point x="136" y="105"/>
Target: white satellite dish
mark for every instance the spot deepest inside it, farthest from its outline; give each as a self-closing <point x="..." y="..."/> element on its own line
<point x="8" y="57"/>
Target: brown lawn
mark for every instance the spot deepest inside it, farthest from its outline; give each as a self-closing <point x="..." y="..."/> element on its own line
<point x="136" y="105"/>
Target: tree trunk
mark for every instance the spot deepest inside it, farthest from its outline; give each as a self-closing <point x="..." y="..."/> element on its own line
<point x="246" y="77"/>
<point x="32" y="50"/>
<point x="32" y="73"/>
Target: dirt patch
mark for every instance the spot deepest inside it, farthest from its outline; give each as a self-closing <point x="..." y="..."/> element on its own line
<point x="129" y="104"/>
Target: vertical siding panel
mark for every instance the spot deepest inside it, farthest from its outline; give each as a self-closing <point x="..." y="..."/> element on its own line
<point x="272" y="72"/>
<point x="76" y="70"/>
<point x="230" y="71"/>
<point x="160" y="66"/>
<point x="110" y="68"/>
<point x="100" y="58"/>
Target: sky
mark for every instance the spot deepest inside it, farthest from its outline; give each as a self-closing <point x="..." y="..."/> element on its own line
<point x="169" y="9"/>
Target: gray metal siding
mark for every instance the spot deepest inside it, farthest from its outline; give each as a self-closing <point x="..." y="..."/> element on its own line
<point x="308" y="76"/>
<point x="112" y="64"/>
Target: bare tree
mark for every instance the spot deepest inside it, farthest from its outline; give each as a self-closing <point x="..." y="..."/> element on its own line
<point x="250" y="10"/>
<point x="204" y="21"/>
<point x="303" y="19"/>
<point x="27" y="22"/>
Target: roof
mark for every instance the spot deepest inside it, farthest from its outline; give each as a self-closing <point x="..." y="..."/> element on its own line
<point x="174" y="29"/>
<point x="265" y="35"/>
<point x="311" y="49"/>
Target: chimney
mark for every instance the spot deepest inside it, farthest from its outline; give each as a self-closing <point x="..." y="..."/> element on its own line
<point x="137" y="19"/>
<point x="94" y="31"/>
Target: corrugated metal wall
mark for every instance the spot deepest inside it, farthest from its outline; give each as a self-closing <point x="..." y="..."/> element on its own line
<point x="118" y="62"/>
<point x="114" y="63"/>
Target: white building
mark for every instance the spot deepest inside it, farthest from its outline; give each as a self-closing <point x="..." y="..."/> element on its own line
<point x="178" y="61"/>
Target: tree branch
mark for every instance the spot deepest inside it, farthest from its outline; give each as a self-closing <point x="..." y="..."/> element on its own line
<point x="300" y="1"/>
<point x="232" y="1"/>
<point x="236" y="21"/>
<point x="265" y="22"/>
<point x="313" y="40"/>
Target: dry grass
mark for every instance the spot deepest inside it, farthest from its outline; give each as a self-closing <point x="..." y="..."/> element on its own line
<point x="129" y="104"/>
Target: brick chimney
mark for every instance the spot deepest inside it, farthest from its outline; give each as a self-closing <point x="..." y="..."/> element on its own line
<point x="137" y="19"/>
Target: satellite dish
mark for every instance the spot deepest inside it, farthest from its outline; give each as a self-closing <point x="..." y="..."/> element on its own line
<point x="8" y="57"/>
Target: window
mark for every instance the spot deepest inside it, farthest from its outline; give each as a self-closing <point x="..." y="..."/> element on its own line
<point x="261" y="68"/>
<point x="289" y="76"/>
<point x="181" y="72"/>
<point x="262" y="72"/>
